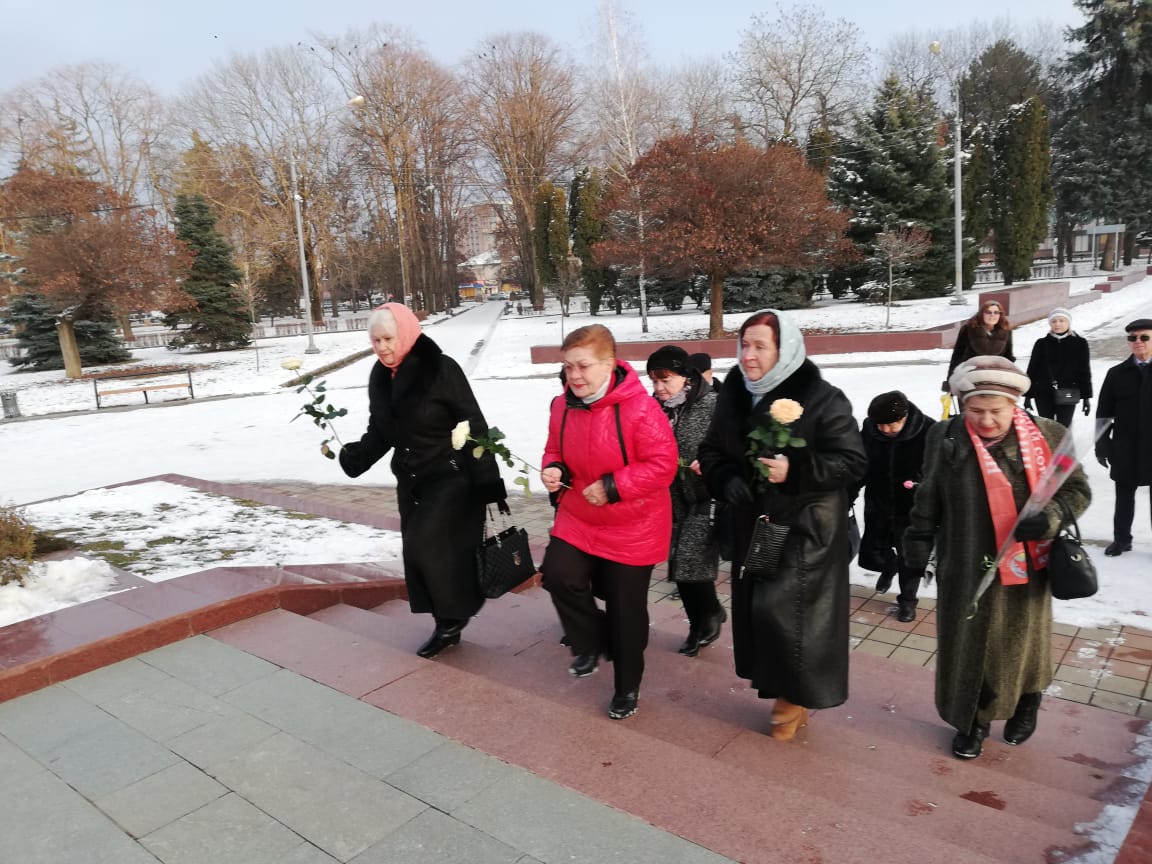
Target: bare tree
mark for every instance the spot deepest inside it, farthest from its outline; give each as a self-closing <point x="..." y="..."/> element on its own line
<point x="522" y="89"/>
<point x="799" y="72"/>
<point x="700" y="98"/>
<point x="898" y="246"/>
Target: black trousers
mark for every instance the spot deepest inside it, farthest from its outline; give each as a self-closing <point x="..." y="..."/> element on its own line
<point x="1046" y="407"/>
<point x="700" y="601"/>
<point x="1125" y="512"/>
<point x="575" y="579"/>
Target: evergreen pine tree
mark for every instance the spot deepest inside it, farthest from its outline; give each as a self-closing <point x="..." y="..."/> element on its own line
<point x="587" y="191"/>
<point x="35" y="323"/>
<point x="1021" y="188"/>
<point x="893" y="173"/>
<point x="220" y="317"/>
<point x="977" y="180"/>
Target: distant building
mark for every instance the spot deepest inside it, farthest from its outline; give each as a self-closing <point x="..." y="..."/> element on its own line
<point x="479" y="230"/>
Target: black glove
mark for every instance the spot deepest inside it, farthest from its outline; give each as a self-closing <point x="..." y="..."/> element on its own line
<point x="1102" y="459"/>
<point x="944" y="388"/>
<point x="351" y="459"/>
<point x="1087" y="408"/>
<point x="1027" y="403"/>
<point x="502" y="506"/>
<point x="1032" y="527"/>
<point x="737" y="491"/>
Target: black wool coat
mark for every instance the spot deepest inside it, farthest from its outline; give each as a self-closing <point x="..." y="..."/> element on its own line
<point x="978" y="342"/>
<point x="791" y="634"/>
<point x="1126" y="396"/>
<point x="892" y="462"/>
<point x="441" y="492"/>
<point x="1059" y="363"/>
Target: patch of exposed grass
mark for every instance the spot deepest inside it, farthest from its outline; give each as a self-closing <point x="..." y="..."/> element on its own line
<point x="113" y="552"/>
<point x="164" y="507"/>
<point x="52" y="541"/>
<point x="164" y="541"/>
<point x="307" y="517"/>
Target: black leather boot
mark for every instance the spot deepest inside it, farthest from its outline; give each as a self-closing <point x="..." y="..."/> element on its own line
<point x="584" y="665"/>
<point x="444" y="636"/>
<point x="711" y="626"/>
<point x="969" y="745"/>
<point x="1023" y="723"/>
<point x="691" y="646"/>
<point x="623" y="705"/>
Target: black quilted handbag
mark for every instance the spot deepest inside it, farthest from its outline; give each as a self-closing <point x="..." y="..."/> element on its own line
<point x="503" y="561"/>
<point x="1071" y="573"/>
<point x="762" y="562"/>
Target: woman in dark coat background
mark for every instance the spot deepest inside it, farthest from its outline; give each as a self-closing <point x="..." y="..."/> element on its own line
<point x="417" y="395"/>
<point x="988" y="333"/>
<point x="979" y="470"/>
<point x="893" y="434"/>
<point x="694" y="557"/>
<point x="790" y="634"/>
<point x="1059" y="360"/>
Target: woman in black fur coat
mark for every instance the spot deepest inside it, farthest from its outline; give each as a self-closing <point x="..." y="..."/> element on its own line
<point x="1060" y="362"/>
<point x="417" y="395"/>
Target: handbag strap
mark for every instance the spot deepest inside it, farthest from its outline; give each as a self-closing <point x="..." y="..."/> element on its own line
<point x="1066" y="517"/>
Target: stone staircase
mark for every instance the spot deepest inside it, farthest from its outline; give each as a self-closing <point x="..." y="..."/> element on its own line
<point x="871" y="781"/>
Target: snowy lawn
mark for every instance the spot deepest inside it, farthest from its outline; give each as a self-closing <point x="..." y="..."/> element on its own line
<point x="249" y="438"/>
<point x="160" y="530"/>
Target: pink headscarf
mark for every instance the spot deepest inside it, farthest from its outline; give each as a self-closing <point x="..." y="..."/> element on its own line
<point x="407" y="331"/>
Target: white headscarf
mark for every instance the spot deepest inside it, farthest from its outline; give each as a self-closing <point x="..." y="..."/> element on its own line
<point x="792" y="356"/>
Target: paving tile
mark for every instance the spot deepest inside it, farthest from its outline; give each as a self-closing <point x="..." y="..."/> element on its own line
<point x="168" y="710"/>
<point x="433" y="838"/>
<point x="373" y="740"/>
<point x="1124" y="669"/>
<point x="1114" y="702"/>
<point x="164" y="797"/>
<point x="880" y="649"/>
<point x="1123" y="686"/>
<point x="1076" y="675"/>
<point x="1065" y="629"/>
<point x="1148" y="691"/>
<point x="15" y="764"/>
<point x="1070" y="692"/>
<point x="551" y="823"/>
<point x="221" y="739"/>
<point x="208" y="664"/>
<point x="883" y="634"/>
<point x="450" y="775"/>
<point x="862" y="631"/>
<point x="1098" y="634"/>
<point x="228" y="830"/>
<point x="334" y="806"/>
<point x="92" y="751"/>
<point x="1145" y="710"/>
<point x="44" y="821"/>
<point x="911" y="655"/>
<point x="919" y="642"/>
<point x="112" y="682"/>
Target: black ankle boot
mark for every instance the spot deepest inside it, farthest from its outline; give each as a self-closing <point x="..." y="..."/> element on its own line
<point x="691" y="646"/>
<point x="969" y="745"/>
<point x="444" y="636"/>
<point x="1023" y="723"/>
<point x="711" y="626"/>
<point x="623" y="705"/>
<point x="584" y="665"/>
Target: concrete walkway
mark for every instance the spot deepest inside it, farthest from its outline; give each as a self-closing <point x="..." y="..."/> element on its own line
<point x="199" y="753"/>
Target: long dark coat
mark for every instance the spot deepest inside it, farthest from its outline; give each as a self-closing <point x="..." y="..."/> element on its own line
<point x="695" y="553"/>
<point x="791" y="635"/>
<point x="892" y="461"/>
<point x="983" y="665"/>
<point x="441" y="492"/>
<point x="975" y="341"/>
<point x="1126" y="396"/>
<point x="1058" y="363"/>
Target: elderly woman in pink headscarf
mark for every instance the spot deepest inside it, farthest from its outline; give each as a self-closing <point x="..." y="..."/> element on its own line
<point x="417" y="395"/>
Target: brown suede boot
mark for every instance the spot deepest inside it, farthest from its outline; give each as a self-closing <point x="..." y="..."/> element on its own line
<point x="787" y="719"/>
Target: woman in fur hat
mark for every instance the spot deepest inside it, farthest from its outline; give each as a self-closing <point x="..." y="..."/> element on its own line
<point x="979" y="471"/>
<point x="1060" y="371"/>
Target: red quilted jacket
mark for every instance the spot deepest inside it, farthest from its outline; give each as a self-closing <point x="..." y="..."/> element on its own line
<point x="626" y="439"/>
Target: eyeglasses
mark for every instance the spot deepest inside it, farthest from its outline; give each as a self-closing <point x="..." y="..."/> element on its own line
<point x="993" y="312"/>
<point x="1143" y="337"/>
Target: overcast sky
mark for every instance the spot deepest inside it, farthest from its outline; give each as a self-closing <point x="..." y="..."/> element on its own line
<point x="168" y="43"/>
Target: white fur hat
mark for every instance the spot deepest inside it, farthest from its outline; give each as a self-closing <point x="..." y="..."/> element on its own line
<point x="988" y="376"/>
<point x="1060" y="312"/>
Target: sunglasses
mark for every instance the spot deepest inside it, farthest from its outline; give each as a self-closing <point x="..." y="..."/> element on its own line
<point x="1143" y="337"/>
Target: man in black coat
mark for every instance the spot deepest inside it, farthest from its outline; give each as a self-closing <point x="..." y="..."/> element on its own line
<point x="893" y="434"/>
<point x="1126" y="448"/>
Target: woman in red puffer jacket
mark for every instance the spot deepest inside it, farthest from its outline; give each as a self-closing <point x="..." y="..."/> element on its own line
<point x="610" y="459"/>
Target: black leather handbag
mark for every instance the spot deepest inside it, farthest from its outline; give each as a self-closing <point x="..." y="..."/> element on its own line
<point x="503" y="561"/>
<point x="1071" y="573"/>
<point x="1066" y="395"/>
<point x="762" y="562"/>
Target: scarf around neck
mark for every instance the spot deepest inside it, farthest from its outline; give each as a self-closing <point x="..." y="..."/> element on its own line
<point x="792" y="356"/>
<point x="1035" y="454"/>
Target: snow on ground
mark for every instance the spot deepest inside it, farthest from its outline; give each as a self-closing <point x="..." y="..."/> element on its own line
<point x="159" y="531"/>
<point x="250" y="439"/>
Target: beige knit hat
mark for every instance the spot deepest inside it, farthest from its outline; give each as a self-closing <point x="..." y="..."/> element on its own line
<point x="988" y="376"/>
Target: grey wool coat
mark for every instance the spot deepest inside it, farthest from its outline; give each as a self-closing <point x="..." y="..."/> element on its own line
<point x="984" y="665"/>
<point x="695" y="553"/>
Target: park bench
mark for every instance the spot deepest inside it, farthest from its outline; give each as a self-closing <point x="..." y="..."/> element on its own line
<point x="102" y="390"/>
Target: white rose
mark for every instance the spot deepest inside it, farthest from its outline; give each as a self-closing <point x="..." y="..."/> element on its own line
<point x="786" y="411"/>
<point x="460" y="434"/>
<point x="291" y="363"/>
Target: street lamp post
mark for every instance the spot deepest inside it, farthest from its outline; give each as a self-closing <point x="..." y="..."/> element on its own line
<point x="308" y="328"/>
<point x="958" y="298"/>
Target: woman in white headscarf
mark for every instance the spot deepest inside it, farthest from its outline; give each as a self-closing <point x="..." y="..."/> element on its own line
<point x="790" y="630"/>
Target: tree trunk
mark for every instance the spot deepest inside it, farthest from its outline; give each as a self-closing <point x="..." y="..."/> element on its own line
<point x="66" y="332"/>
<point x="716" y="313"/>
<point x="126" y="327"/>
